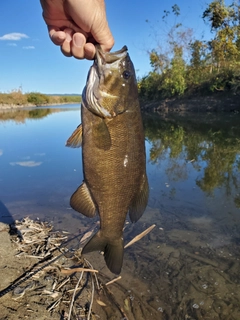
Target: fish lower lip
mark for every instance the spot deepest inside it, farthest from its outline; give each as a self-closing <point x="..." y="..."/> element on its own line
<point x="106" y="94"/>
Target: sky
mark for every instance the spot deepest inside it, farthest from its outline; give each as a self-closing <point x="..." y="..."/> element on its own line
<point x="31" y="62"/>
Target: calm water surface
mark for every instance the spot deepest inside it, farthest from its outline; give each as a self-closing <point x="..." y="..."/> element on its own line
<point x="188" y="266"/>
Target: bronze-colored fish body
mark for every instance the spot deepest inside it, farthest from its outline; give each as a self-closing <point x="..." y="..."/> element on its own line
<point x="115" y="180"/>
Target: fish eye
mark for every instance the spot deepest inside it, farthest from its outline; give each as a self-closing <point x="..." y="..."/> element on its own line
<point x="126" y="74"/>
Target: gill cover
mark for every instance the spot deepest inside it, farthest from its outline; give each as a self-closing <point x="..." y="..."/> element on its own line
<point x="107" y="83"/>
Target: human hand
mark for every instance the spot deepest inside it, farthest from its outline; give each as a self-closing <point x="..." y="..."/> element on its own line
<point x="77" y="25"/>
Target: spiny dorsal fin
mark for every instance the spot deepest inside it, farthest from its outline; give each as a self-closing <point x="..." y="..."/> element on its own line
<point x="140" y="201"/>
<point x="75" y="141"/>
<point x="82" y="202"/>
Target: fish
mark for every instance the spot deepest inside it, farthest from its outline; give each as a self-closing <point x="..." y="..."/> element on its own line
<point x="113" y="153"/>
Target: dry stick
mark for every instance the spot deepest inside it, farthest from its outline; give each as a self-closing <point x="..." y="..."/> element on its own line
<point x="54" y="304"/>
<point x="96" y="279"/>
<point x="62" y="283"/>
<point x="86" y="236"/>
<point x="91" y="303"/>
<point x="28" y="274"/>
<point x="140" y="236"/>
<point x="70" y="271"/>
<point x="73" y="296"/>
<point x="113" y="280"/>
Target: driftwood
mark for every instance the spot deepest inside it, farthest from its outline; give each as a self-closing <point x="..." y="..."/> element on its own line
<point x="74" y="288"/>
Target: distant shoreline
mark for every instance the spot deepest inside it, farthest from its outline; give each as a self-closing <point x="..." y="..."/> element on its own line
<point x="10" y="106"/>
<point x="220" y="102"/>
<point x="217" y="102"/>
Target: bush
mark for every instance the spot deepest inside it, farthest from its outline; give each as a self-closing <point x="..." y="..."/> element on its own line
<point x="37" y="98"/>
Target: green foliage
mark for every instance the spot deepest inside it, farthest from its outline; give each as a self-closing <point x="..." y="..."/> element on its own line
<point x="37" y="98"/>
<point x="150" y="86"/>
<point x="174" y="80"/>
<point x="187" y="65"/>
<point x="16" y="97"/>
<point x="70" y="99"/>
<point x="216" y="14"/>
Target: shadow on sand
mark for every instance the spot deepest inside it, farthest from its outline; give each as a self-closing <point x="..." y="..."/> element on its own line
<point x="5" y="215"/>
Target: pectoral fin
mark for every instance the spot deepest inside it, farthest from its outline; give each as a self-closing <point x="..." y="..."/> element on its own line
<point x="75" y="141"/>
<point x="140" y="201"/>
<point x="82" y="202"/>
<point x="101" y="135"/>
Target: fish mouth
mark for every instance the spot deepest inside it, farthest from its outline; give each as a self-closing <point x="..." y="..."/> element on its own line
<point x="91" y="94"/>
<point x="104" y="58"/>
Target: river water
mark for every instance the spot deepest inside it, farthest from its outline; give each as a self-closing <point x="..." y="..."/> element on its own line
<point x="188" y="266"/>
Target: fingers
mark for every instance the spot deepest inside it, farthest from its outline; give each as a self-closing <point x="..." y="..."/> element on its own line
<point x="90" y="51"/>
<point x="66" y="45"/>
<point x="62" y="38"/>
<point x="72" y="44"/>
<point x="56" y="35"/>
<point x="81" y="49"/>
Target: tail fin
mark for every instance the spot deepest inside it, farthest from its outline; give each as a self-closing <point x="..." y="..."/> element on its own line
<point x="113" y="250"/>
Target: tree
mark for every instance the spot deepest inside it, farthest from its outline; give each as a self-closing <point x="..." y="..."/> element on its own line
<point x="224" y="22"/>
<point x="167" y="59"/>
<point x="199" y="61"/>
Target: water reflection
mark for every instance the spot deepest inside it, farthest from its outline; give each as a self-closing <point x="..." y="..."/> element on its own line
<point x="216" y="151"/>
<point x="20" y="115"/>
<point x="188" y="266"/>
<point x="194" y="255"/>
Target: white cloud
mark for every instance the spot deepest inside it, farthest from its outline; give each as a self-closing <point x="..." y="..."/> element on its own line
<point x="12" y="44"/>
<point x="28" y="47"/>
<point x="13" y="36"/>
<point x="1" y="152"/>
<point x="26" y="163"/>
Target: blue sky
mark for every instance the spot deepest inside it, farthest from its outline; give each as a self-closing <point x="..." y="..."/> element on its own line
<point x="35" y="64"/>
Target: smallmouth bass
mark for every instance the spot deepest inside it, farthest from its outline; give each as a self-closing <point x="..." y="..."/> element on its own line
<point x="113" y="151"/>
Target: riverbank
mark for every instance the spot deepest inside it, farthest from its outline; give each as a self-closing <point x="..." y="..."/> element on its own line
<point x="217" y="102"/>
<point x="17" y="99"/>
<point x="5" y="106"/>
<point x="11" y="106"/>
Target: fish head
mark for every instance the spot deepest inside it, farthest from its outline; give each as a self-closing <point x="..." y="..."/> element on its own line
<point x="111" y="83"/>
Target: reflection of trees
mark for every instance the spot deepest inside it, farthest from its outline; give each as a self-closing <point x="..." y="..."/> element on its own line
<point x="20" y="115"/>
<point x="215" y="148"/>
<point x="237" y="201"/>
<point x="219" y="164"/>
<point x="177" y="170"/>
<point x="162" y="135"/>
<point x="39" y="113"/>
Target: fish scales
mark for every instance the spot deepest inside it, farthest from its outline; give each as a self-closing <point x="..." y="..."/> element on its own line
<point x="107" y="181"/>
<point x="114" y="161"/>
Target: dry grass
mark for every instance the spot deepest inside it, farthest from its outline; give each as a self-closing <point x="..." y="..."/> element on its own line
<point x="16" y="97"/>
<point x="61" y="279"/>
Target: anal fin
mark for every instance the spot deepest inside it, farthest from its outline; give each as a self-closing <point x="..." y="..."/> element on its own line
<point x="82" y="202"/>
<point x="140" y="201"/>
